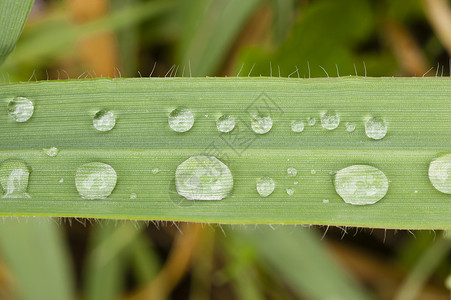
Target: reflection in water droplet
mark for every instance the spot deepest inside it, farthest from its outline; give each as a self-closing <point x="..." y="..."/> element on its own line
<point x="350" y="127"/>
<point x="225" y="123"/>
<point x="155" y="171"/>
<point x="14" y="176"/>
<point x="440" y="173"/>
<point x="203" y="178"/>
<point x="292" y="172"/>
<point x="290" y="191"/>
<point x="261" y="124"/>
<point x="20" y="109"/>
<point x="265" y="186"/>
<point x="104" y="120"/>
<point x="375" y="128"/>
<point x="361" y="184"/>
<point x="297" y="126"/>
<point x="311" y="121"/>
<point x="95" y="180"/>
<point x="330" y="120"/>
<point x="181" y="120"/>
<point x="52" y="151"/>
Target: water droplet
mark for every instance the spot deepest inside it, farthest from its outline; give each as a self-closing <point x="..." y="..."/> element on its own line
<point x="203" y="178"/>
<point x="297" y="126"/>
<point x="95" y="180"/>
<point x="290" y="191"/>
<point x="415" y="192"/>
<point x="181" y="120"/>
<point x="20" y="109"/>
<point x="350" y="127"/>
<point x="330" y="120"/>
<point x="325" y="200"/>
<point x="104" y="120"/>
<point x="61" y="180"/>
<point x="14" y="176"/>
<point x="311" y="121"/>
<point x="155" y="171"/>
<point x="225" y="123"/>
<point x="261" y="124"/>
<point x="296" y="182"/>
<point x="440" y="173"/>
<point x="265" y="186"/>
<point x="313" y="172"/>
<point x="133" y="196"/>
<point x="52" y="151"/>
<point x="292" y="172"/>
<point x="361" y="184"/>
<point x="375" y="128"/>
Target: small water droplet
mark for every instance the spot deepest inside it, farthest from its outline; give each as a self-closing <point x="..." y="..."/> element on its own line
<point x="181" y="120"/>
<point x="292" y="172"/>
<point x="361" y="184"/>
<point x="415" y="192"/>
<point x="440" y="173"/>
<point x="265" y="186"/>
<point x="95" y="180"/>
<point x="225" y="123"/>
<point x="14" y="176"/>
<point x="376" y="128"/>
<point x="313" y="172"/>
<point x="133" y="196"/>
<point x="61" y="180"/>
<point x="325" y="200"/>
<point x="350" y="127"/>
<point x="203" y="178"/>
<point x="52" y="151"/>
<point x="155" y="171"/>
<point x="330" y="120"/>
<point x="311" y="121"/>
<point x="261" y="124"/>
<point x="297" y="126"/>
<point x="296" y="182"/>
<point x="20" y="109"/>
<point x="104" y="120"/>
<point x="290" y="191"/>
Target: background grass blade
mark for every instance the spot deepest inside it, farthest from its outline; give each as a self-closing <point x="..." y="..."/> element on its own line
<point x="34" y="251"/>
<point x="14" y="15"/>
<point x="415" y="109"/>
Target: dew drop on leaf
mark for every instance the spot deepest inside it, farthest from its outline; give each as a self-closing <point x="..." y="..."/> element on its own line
<point x="20" y="109"/>
<point x="265" y="186"/>
<point x="440" y="173"/>
<point x="203" y="178"/>
<point x="376" y="128"/>
<point x="350" y="127"/>
<point x="52" y="151"/>
<point x="292" y="172"/>
<point x="297" y="126"/>
<point x="311" y="121"/>
<point x="181" y="120"/>
<point x="361" y="184"/>
<point x="104" y="120"/>
<point x="95" y="180"/>
<point x="14" y="175"/>
<point x="290" y="191"/>
<point x="225" y="123"/>
<point x="330" y="120"/>
<point x="261" y="124"/>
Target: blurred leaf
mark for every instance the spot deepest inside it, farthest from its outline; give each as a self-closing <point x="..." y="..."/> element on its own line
<point x="209" y="28"/>
<point x="145" y="261"/>
<point x="13" y="15"/>
<point x="35" y="252"/>
<point x="297" y="255"/>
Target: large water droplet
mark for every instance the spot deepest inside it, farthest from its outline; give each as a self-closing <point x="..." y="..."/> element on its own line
<point x="225" y="123"/>
<point x="292" y="172"/>
<point x="261" y="124"/>
<point x="104" y="120"/>
<point x="330" y="120"/>
<point x="52" y="151"/>
<point x="350" y="127"/>
<point x="181" y="120"/>
<point x="203" y="178"/>
<point x="95" y="180"/>
<point x="361" y="184"/>
<point x="375" y="128"/>
<point x="20" y="109"/>
<point x="440" y="173"/>
<point x="265" y="186"/>
<point x="14" y="176"/>
<point x="297" y="126"/>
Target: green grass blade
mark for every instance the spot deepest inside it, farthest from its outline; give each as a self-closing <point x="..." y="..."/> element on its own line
<point x="14" y="15"/>
<point x="415" y="109"/>
<point x="298" y="256"/>
<point x="34" y="251"/>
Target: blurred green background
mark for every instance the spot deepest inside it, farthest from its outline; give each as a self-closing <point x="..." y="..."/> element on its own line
<point x="95" y="259"/>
